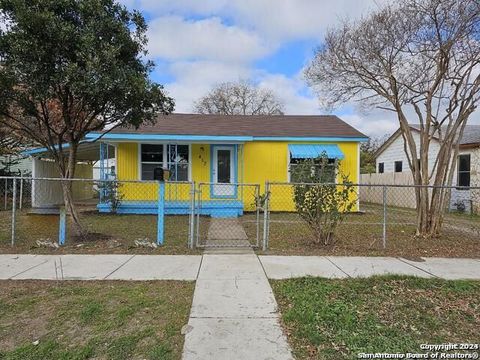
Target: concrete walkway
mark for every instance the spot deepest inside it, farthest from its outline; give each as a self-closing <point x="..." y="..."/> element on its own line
<point x="186" y="267"/>
<point x="226" y="231"/>
<point x="234" y="313"/>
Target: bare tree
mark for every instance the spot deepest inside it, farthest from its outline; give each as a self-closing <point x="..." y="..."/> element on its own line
<point x="239" y="98"/>
<point x="419" y="59"/>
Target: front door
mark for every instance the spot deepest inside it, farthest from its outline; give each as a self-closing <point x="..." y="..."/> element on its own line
<point x="223" y="171"/>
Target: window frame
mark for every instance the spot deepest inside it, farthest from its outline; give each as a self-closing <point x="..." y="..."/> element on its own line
<point x="383" y="167"/>
<point x="289" y="174"/>
<point x="395" y="163"/>
<point x="469" y="172"/>
<point x="165" y="162"/>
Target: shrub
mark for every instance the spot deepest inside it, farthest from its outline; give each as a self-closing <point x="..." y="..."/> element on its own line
<point x="321" y="205"/>
<point x="111" y="194"/>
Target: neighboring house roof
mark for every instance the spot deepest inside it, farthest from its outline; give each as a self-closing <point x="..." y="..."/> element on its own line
<point x="247" y="125"/>
<point x="471" y="134"/>
<point x="471" y="137"/>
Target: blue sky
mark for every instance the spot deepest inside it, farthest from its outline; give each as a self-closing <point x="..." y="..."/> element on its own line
<point x="197" y="44"/>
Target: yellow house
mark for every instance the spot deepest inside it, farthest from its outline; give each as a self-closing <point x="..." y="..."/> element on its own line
<point x="219" y="153"/>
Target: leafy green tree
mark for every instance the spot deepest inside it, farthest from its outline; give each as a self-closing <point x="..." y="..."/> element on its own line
<point x="367" y="154"/>
<point x="70" y="67"/>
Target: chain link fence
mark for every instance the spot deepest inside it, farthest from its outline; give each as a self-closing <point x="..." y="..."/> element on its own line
<point x="285" y="218"/>
<point x="381" y="220"/>
<point x="114" y="216"/>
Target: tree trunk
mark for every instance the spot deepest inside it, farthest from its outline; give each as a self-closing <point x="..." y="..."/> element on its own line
<point x="71" y="209"/>
<point x="67" y="172"/>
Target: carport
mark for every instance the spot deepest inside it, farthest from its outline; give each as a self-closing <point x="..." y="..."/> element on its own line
<point x="95" y="161"/>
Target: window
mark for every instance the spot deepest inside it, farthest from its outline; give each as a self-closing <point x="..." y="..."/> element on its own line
<point x="398" y="166"/>
<point x="174" y="157"/>
<point x="463" y="177"/>
<point x="381" y="168"/>
<point x="178" y="162"/>
<point x="151" y="158"/>
<point x="324" y="172"/>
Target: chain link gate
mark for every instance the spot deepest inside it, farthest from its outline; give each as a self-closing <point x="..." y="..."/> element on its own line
<point x="228" y="215"/>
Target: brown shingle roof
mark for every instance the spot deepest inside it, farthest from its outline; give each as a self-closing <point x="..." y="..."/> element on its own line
<point x="248" y="125"/>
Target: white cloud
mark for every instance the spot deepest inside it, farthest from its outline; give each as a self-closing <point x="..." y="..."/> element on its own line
<point x="273" y="20"/>
<point x="194" y="79"/>
<point x="292" y="92"/>
<point x="375" y="123"/>
<point x="175" y="38"/>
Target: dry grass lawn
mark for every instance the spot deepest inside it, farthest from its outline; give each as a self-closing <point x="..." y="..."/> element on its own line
<point x="101" y="320"/>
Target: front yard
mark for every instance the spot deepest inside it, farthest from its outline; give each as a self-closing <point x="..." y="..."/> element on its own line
<point x="84" y="320"/>
<point x="111" y="234"/>
<point x="361" y="234"/>
<point x="338" y="319"/>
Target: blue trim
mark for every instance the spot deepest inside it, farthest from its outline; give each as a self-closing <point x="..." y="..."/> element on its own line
<point x="91" y="137"/>
<point x="44" y="149"/>
<point x="162" y="137"/>
<point x="161" y="213"/>
<point x="62" y="227"/>
<point x="213" y="208"/>
<point x="234" y="175"/>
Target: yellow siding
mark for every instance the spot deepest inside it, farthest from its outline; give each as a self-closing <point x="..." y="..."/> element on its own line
<point x="127" y="161"/>
<point x="201" y="162"/>
<point x="268" y="161"/>
<point x="262" y="161"/>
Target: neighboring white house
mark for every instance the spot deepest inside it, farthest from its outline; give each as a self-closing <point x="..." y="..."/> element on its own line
<point x="22" y="165"/>
<point x="391" y="159"/>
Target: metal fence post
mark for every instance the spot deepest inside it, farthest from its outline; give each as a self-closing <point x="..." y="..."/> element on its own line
<point x="198" y="206"/>
<point x="257" y="214"/>
<point x="384" y="238"/>
<point x="192" y="216"/>
<point x="14" y="209"/>
<point x="20" y="201"/>
<point x="265" y="216"/>
<point x="62" y="226"/>
<point x="161" y="213"/>
<point x="6" y="193"/>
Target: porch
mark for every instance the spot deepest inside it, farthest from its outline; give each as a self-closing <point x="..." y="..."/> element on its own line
<point x="213" y="208"/>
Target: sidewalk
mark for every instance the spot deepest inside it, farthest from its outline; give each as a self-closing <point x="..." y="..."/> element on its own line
<point x="234" y="313"/>
<point x="186" y="267"/>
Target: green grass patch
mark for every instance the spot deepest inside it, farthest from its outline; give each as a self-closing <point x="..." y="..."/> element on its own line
<point x="84" y="320"/>
<point x="337" y="319"/>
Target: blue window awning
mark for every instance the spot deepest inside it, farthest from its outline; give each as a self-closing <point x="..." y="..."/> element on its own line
<point x="312" y="151"/>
